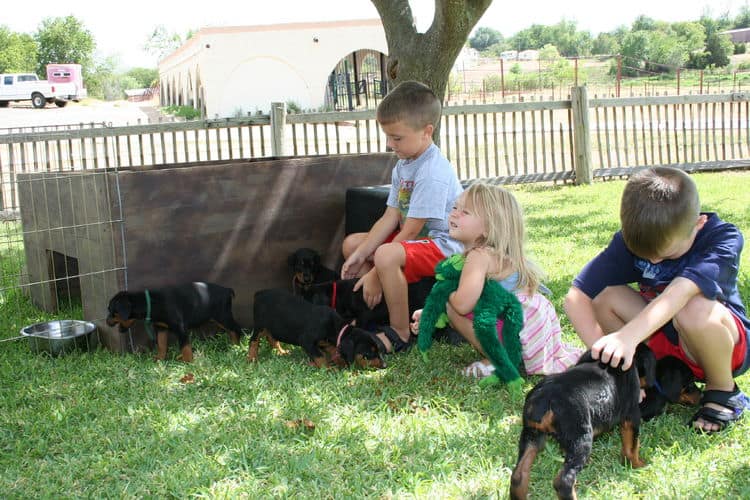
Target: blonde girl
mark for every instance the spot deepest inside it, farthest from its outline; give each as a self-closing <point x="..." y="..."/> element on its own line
<point x="489" y="222"/>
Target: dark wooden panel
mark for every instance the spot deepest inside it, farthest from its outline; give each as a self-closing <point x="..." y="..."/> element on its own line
<point x="235" y="223"/>
<point x="230" y="222"/>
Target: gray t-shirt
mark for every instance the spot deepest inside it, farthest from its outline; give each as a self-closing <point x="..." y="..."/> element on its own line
<point x="427" y="188"/>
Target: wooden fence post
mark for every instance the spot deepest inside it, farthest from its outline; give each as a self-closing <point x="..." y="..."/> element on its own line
<point x="278" y="122"/>
<point x="581" y="135"/>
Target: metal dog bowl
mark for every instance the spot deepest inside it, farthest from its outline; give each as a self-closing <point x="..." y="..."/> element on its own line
<point x="57" y="337"/>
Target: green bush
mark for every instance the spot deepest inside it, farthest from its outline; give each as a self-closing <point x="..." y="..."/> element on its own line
<point x="493" y="83"/>
<point x="186" y="112"/>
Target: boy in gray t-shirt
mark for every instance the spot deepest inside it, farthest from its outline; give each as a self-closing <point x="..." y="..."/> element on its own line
<point x="411" y="237"/>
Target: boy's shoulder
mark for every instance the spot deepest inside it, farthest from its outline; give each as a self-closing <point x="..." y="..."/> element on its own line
<point x="431" y="165"/>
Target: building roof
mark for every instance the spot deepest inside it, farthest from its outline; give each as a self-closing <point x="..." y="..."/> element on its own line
<point x="226" y="30"/>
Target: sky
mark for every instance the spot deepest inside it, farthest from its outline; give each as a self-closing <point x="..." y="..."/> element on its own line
<point x="122" y="28"/>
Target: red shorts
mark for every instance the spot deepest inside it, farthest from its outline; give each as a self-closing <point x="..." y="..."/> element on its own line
<point x="660" y="344"/>
<point x="421" y="258"/>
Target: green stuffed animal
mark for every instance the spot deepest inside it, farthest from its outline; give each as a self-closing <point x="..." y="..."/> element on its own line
<point x="494" y="302"/>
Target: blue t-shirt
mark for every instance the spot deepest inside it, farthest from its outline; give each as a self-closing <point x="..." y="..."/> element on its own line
<point x="712" y="263"/>
<point x="427" y="188"/>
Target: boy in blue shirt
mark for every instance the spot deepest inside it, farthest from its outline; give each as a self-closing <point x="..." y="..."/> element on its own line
<point x="411" y="237"/>
<point x="685" y="263"/>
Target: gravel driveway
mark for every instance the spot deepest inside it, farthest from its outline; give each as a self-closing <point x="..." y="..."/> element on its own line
<point x="115" y="113"/>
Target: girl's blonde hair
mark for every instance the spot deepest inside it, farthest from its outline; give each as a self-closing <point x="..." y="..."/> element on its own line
<point x="503" y="219"/>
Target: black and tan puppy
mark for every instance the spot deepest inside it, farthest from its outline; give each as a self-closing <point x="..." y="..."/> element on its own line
<point x="281" y="316"/>
<point x="175" y="308"/>
<point x="574" y="407"/>
<point x="351" y="305"/>
<point x="306" y="270"/>
<point x="675" y="383"/>
<point x="362" y="348"/>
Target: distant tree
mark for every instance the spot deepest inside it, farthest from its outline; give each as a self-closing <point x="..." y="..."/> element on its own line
<point x="427" y="57"/>
<point x="568" y="40"/>
<point x="496" y="49"/>
<point x="644" y="23"/>
<point x="143" y="77"/>
<point x="691" y="35"/>
<point x="484" y="38"/>
<point x="161" y="43"/>
<point x="18" y="52"/>
<point x="529" y="38"/>
<point x="549" y="53"/>
<point x="64" y="40"/>
<point x="605" y="44"/>
<point x="563" y="35"/>
<point x="100" y="78"/>
<point x="714" y="25"/>
<point x="105" y="83"/>
<point x="719" y="47"/>
<point x="665" y="52"/>
<point x="743" y="18"/>
<point x="634" y="52"/>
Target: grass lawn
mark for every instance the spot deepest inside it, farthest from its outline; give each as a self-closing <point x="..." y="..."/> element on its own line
<point x="107" y="425"/>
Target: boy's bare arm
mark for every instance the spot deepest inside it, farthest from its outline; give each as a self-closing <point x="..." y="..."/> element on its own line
<point x="382" y="228"/>
<point x="410" y="229"/>
<point x="620" y="345"/>
<point x="662" y="309"/>
<point x="580" y="311"/>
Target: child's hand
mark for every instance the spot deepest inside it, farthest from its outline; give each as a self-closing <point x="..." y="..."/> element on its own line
<point x="352" y="266"/>
<point x="613" y="349"/>
<point x="372" y="290"/>
<point x="414" y="325"/>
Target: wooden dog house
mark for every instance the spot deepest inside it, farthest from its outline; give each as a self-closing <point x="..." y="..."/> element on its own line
<point x="229" y="222"/>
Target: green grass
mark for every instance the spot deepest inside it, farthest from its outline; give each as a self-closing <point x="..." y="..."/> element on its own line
<point x="108" y="425"/>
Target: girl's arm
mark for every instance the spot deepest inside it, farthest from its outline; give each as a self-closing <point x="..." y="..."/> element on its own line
<point x="471" y="283"/>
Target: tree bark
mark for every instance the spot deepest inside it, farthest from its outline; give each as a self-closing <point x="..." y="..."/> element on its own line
<point x="427" y="57"/>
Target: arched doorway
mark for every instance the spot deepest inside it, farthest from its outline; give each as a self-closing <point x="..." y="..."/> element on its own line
<point x="357" y="82"/>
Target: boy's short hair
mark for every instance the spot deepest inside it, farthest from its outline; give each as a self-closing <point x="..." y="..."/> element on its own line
<point x="411" y="102"/>
<point x="658" y="205"/>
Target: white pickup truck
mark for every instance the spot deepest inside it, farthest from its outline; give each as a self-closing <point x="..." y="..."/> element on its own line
<point x="27" y="87"/>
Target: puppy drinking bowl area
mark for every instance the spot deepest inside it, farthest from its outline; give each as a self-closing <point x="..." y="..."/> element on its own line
<point x="60" y="336"/>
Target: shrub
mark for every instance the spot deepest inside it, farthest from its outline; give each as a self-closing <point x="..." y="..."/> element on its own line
<point x="186" y="112"/>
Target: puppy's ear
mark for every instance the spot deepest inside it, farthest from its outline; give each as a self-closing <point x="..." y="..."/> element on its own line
<point x="346" y="349"/>
<point x="586" y="357"/>
<point x="123" y="308"/>
<point x="646" y="364"/>
<point x="676" y="381"/>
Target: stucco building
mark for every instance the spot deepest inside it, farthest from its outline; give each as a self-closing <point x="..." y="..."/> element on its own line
<point x="236" y="70"/>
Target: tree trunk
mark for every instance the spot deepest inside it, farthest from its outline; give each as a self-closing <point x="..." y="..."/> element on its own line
<point x="427" y="57"/>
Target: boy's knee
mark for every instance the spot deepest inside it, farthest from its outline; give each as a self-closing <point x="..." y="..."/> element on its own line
<point x="389" y="255"/>
<point x="605" y="299"/>
<point x="350" y="244"/>
<point x="700" y="315"/>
